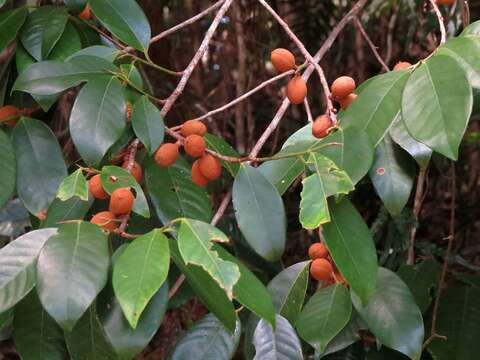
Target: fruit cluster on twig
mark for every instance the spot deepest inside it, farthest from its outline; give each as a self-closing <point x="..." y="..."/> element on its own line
<point x="322" y="267"/>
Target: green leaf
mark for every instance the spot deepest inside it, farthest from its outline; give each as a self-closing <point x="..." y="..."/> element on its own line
<point x="173" y="193"/>
<point x="36" y="334"/>
<point x="127" y="342"/>
<point x="421" y="279"/>
<point x="417" y="150"/>
<point x="457" y="319"/>
<point x="437" y="103"/>
<point x="40" y="164"/>
<point x="472" y="29"/>
<point x="72" y="209"/>
<point x="68" y="44"/>
<point x="148" y="124"/>
<point x="13" y="21"/>
<point x="249" y="291"/>
<point x="279" y="343"/>
<point x="392" y="175"/>
<point x="208" y="291"/>
<point x="98" y="118"/>
<point x="114" y="177"/>
<point x="42" y="30"/>
<point x="195" y="240"/>
<point x="324" y="316"/>
<point x="393" y="316"/>
<point x="17" y="266"/>
<point x="222" y="147"/>
<point x="75" y="6"/>
<point x="101" y="51"/>
<point x="136" y="282"/>
<point x="260" y="213"/>
<point x="71" y="270"/>
<point x="282" y="173"/>
<point x="52" y="77"/>
<point x="74" y="184"/>
<point x="288" y="289"/>
<point x="9" y="170"/>
<point x="346" y="337"/>
<point x="124" y="19"/>
<point x="377" y="105"/>
<point x="328" y="180"/>
<point x="352" y="248"/>
<point x="208" y="339"/>
<point x="465" y="50"/>
<point x="87" y="340"/>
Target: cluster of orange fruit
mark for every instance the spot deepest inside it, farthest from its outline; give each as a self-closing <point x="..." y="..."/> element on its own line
<point x="9" y="115"/>
<point x="321" y="268"/>
<point x="206" y="168"/>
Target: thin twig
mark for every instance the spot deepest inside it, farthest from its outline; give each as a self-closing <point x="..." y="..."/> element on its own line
<point x="196" y="58"/>
<point x="371" y="44"/>
<point x="307" y="110"/>
<point x="441" y="24"/>
<point x="417" y="207"/>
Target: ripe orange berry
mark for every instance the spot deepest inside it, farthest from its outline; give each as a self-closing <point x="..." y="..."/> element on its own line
<point x="340" y="278"/>
<point x="296" y="90"/>
<point x="195" y="145"/>
<point x="166" y="154"/>
<point x="193" y="127"/>
<point x="121" y="201"/>
<point x="105" y="219"/>
<point x="401" y="65"/>
<point x="96" y="188"/>
<point x="321" y="269"/>
<point x="445" y="2"/>
<point x="197" y="176"/>
<point x="318" y="251"/>
<point x="342" y="87"/>
<point x="136" y="171"/>
<point x="347" y="101"/>
<point x="321" y="126"/>
<point x="282" y="59"/>
<point x="86" y="13"/>
<point x="210" y="167"/>
<point x="9" y="114"/>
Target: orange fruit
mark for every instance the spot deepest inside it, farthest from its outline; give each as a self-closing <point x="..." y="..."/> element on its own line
<point x="9" y="114"/>
<point x="282" y="59"/>
<point x="137" y="171"/>
<point x="318" y="251"/>
<point x="195" y="145"/>
<point x="210" y="167"/>
<point x="321" y="126"/>
<point x="342" y="87"/>
<point x="346" y="101"/>
<point x="166" y="154"/>
<point x="96" y="188"/>
<point x="193" y="127"/>
<point x="401" y="65"/>
<point x="121" y="201"/>
<point x="86" y="13"/>
<point x="197" y="176"/>
<point x="296" y="90"/>
<point x="321" y="269"/>
<point x="105" y="219"/>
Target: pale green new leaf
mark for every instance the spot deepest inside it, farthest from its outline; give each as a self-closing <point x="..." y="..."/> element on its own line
<point x="74" y="185"/>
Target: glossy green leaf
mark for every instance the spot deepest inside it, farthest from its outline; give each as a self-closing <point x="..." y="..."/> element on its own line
<point x="324" y="316"/>
<point x="420" y="152"/>
<point x="136" y="282"/>
<point x="282" y="173"/>
<point x="279" y="343"/>
<point x="421" y="279"/>
<point x="222" y="147"/>
<point x="40" y="164"/>
<point x="377" y="105"/>
<point x="125" y="19"/>
<point x="9" y="169"/>
<point x="17" y="266"/>
<point x="352" y="248"/>
<point x="52" y="77"/>
<point x="98" y="118"/>
<point x="35" y="333"/>
<point x="327" y="180"/>
<point x="71" y="270"/>
<point x="195" y="240"/>
<point x="207" y="290"/>
<point x="260" y="213"/>
<point x="392" y="175"/>
<point x="72" y="209"/>
<point x="148" y="124"/>
<point x="74" y="184"/>
<point x="101" y="51"/>
<point x="457" y="319"/>
<point x="436" y="104"/>
<point x="393" y="316"/>
<point x="208" y="339"/>
<point x="173" y="193"/>
<point x="124" y="179"/>
<point x="13" y="21"/>
<point x="126" y="341"/>
<point x="68" y="44"/>
<point x="472" y="29"/>
<point x="249" y="291"/>
<point x="14" y="218"/>
<point x="465" y="50"/>
<point x="87" y="340"/>
<point x="75" y="6"/>
<point x="42" y="30"/>
<point x="346" y="337"/>
<point x="288" y="290"/>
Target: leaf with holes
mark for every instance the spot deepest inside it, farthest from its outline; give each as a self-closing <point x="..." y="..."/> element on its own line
<point x="74" y="185"/>
<point x="148" y="124"/>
